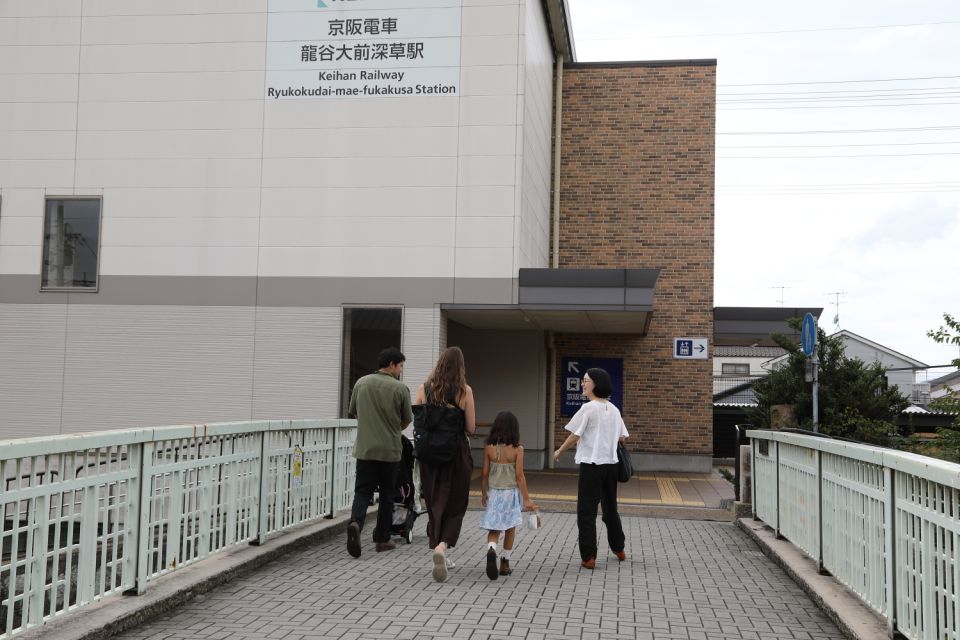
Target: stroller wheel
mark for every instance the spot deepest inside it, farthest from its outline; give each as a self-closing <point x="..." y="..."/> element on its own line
<point x="409" y="536"/>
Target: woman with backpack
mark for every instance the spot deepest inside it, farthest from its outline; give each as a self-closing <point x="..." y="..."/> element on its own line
<point x="445" y="475"/>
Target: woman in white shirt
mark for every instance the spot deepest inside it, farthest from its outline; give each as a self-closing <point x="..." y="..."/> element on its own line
<point x="595" y="430"/>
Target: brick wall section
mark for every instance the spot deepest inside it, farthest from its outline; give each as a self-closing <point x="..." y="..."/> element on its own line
<point x="637" y="191"/>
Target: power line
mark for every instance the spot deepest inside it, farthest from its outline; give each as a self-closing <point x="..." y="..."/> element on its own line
<point x="905" y="95"/>
<point x="809" y="82"/>
<point x="870" y="155"/>
<point x="831" y="131"/>
<point x="840" y="106"/>
<point x="832" y="146"/>
<point x="765" y="33"/>
<point x="834" y="91"/>
<point x="842" y="184"/>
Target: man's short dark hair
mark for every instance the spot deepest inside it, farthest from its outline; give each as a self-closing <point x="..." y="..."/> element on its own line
<point x="602" y="384"/>
<point x="389" y="356"/>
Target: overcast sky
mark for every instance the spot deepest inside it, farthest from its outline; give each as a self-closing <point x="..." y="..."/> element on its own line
<point x="882" y="223"/>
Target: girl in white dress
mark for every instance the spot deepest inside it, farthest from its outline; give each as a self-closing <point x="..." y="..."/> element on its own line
<point x="502" y="485"/>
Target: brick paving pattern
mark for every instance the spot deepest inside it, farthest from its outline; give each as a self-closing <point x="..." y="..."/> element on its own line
<point x="683" y="579"/>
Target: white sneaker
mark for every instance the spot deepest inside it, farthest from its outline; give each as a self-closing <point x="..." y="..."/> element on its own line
<point x="451" y="564"/>
<point x="439" y="566"/>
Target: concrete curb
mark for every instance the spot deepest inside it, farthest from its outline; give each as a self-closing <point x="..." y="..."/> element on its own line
<point x="854" y="618"/>
<point x="116" y="614"/>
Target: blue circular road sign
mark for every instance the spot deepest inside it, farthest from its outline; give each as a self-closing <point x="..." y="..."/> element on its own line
<point x="808" y="334"/>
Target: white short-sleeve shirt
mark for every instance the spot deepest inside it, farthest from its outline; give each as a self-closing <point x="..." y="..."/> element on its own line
<point x="599" y="425"/>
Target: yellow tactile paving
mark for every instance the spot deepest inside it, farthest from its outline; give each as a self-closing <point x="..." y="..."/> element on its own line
<point x="669" y="496"/>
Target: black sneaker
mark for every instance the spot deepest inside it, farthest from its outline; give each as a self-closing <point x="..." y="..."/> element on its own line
<point x="353" y="539"/>
<point x="492" y="571"/>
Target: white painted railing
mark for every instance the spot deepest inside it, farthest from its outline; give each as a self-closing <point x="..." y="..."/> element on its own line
<point x="884" y="523"/>
<point x="95" y="514"/>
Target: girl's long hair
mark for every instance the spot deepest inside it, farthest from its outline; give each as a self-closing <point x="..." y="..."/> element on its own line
<point x="448" y="378"/>
<point x="505" y="430"/>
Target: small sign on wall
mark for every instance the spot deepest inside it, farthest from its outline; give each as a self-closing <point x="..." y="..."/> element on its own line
<point x="571" y="392"/>
<point x="690" y="349"/>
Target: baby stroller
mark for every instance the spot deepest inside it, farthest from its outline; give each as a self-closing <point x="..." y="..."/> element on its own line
<point x="406" y="498"/>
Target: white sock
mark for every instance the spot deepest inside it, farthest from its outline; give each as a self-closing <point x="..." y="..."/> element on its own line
<point x="506" y="554"/>
<point x="492" y="545"/>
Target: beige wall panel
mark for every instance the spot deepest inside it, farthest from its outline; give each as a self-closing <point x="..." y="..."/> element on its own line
<point x="39" y="8"/>
<point x="129" y="366"/>
<point x="421" y="345"/>
<point x="31" y="369"/>
<point x="39" y="88"/>
<point x="220" y="86"/>
<point x="297" y="370"/>
<point x="354" y="202"/>
<point x="374" y="142"/>
<point x="235" y="203"/>
<point x="40" y="32"/>
<point x="133" y="145"/>
<point x="152" y="7"/>
<point x="176" y="28"/>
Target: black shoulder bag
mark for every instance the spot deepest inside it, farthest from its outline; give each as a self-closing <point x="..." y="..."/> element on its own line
<point x="437" y="431"/>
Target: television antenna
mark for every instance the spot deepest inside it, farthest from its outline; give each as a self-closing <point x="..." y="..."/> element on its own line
<point x="836" y="302"/>
<point x="781" y="287"/>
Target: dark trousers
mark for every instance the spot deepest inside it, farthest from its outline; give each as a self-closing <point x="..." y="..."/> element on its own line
<point x="598" y="485"/>
<point x="375" y="475"/>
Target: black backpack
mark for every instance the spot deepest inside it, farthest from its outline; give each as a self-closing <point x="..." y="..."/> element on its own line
<point x="437" y="431"/>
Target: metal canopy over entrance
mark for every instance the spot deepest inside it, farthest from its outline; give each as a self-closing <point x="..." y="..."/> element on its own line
<point x="603" y="301"/>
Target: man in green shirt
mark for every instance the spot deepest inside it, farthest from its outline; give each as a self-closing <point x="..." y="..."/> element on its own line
<point x="381" y="405"/>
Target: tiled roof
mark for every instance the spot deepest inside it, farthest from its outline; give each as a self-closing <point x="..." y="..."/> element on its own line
<point x="747" y="352"/>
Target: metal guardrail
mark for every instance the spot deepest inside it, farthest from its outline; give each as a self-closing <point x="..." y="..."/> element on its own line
<point x="884" y="523"/>
<point x="95" y="514"/>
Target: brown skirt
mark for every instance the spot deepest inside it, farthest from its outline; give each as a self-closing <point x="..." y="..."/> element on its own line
<point x="446" y="491"/>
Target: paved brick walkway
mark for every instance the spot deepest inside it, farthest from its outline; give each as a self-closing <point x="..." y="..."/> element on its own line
<point x="683" y="580"/>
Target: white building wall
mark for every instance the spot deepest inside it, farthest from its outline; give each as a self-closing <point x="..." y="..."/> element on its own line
<point x="159" y="108"/>
<point x="421" y="345"/>
<point x="533" y="219"/>
<point x="163" y="115"/>
<point x="904" y="380"/>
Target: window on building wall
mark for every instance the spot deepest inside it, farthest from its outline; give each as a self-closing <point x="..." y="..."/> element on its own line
<point x="71" y="243"/>
<point x="366" y="332"/>
<point x="735" y="369"/>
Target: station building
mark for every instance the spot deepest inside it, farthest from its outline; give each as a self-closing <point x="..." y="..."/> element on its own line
<point x="219" y="210"/>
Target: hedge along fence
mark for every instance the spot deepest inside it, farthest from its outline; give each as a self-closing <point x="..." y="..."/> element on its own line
<point x="96" y="514"/>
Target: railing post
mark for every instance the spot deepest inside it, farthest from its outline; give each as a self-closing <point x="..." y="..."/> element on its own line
<point x="37" y="552"/>
<point x="87" y="553"/>
<point x="776" y="454"/>
<point x="136" y="563"/>
<point x="890" y="542"/>
<point x="264" y="496"/>
<point x="819" y="457"/>
<point x="334" y="457"/>
<point x="753" y="477"/>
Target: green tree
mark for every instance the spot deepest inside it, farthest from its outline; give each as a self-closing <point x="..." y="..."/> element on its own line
<point x="854" y="402"/>
<point x="948" y="441"/>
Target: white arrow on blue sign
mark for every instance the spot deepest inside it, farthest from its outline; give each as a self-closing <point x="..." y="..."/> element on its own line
<point x="808" y="334"/>
<point x="690" y="349"/>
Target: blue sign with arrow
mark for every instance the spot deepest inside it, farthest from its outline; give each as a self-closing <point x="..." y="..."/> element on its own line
<point x="808" y="334"/>
<point x="571" y="379"/>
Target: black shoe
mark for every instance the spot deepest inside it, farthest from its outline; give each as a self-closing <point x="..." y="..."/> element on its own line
<point x="353" y="539"/>
<point x="492" y="572"/>
<point x="389" y="545"/>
